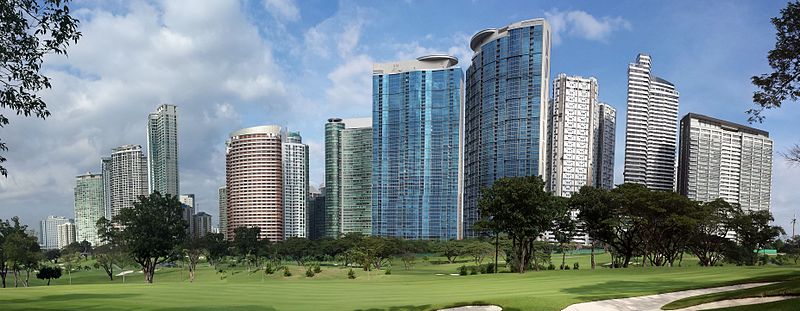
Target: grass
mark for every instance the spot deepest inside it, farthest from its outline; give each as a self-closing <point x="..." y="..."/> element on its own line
<point x="790" y="287"/>
<point x="417" y="289"/>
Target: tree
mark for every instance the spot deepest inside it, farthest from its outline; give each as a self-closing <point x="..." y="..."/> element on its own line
<point x="30" y="30"/>
<point x="791" y="248"/>
<point x="151" y="230"/>
<point x="49" y="273"/>
<point x="450" y="249"/>
<point x="520" y="207"/>
<point x="753" y="232"/>
<point x="216" y="247"/>
<point x="565" y="227"/>
<point x="192" y="249"/>
<point x="595" y="214"/>
<point x="52" y="255"/>
<point x="478" y="250"/>
<point x="70" y="260"/>
<point x="23" y="254"/>
<point x="246" y="244"/>
<point x="707" y="239"/>
<point x="8" y="228"/>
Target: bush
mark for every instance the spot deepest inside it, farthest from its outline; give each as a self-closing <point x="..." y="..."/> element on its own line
<point x="286" y="272"/>
<point x="351" y="274"/>
<point x="576" y="266"/>
<point x="473" y="270"/>
<point x="317" y="268"/>
<point x="388" y="271"/>
<point x="309" y="272"/>
<point x="462" y="270"/>
<point x="566" y="267"/>
<point x="270" y="267"/>
<point x="551" y="267"/>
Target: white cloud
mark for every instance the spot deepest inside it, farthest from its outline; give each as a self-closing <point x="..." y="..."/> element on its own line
<point x="583" y="25"/>
<point x="282" y="9"/>
<point x="341" y="32"/>
<point x="351" y="88"/>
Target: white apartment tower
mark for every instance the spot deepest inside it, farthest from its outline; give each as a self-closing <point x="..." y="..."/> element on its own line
<point x="721" y="159"/>
<point x="295" y="186"/>
<point x="651" y="128"/>
<point x="89" y="207"/>
<point x="48" y="230"/>
<point x="66" y="234"/>
<point x="127" y="169"/>
<point x="188" y="211"/>
<point x="162" y="150"/>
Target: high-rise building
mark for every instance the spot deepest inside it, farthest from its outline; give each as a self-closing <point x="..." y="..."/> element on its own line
<point x="223" y="211"/>
<point x="295" y="186"/>
<point x="187" y="204"/>
<point x="581" y="137"/>
<point x="505" y="117"/>
<point x="651" y="128"/>
<point x="127" y="171"/>
<point x="48" y="231"/>
<point x="416" y="149"/>
<point x="254" y="181"/>
<point x="721" y="159"/>
<point x="105" y="171"/>
<point x="89" y="207"/>
<point x="66" y="234"/>
<point x="162" y="150"/>
<point x="348" y="171"/>
<point x="316" y="213"/>
<point x="202" y="224"/>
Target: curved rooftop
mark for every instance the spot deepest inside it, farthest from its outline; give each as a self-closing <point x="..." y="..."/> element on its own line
<point x="452" y="60"/>
<point x="660" y="80"/>
<point x="482" y="37"/>
<point x="264" y="129"/>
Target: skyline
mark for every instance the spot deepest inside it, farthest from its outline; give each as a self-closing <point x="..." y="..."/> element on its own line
<point x="339" y="76"/>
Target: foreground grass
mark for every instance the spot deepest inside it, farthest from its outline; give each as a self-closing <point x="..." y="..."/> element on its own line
<point x="417" y="289"/>
<point x="790" y="287"/>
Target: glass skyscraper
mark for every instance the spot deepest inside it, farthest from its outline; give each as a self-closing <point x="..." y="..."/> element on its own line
<point x="416" y="153"/>
<point x="348" y="167"/>
<point x="89" y="207"/>
<point x="162" y="150"/>
<point x="505" y="118"/>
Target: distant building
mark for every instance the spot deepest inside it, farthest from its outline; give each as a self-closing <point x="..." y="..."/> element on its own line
<point x="66" y="234"/>
<point x="721" y="159"/>
<point x="295" y="186"/>
<point x="348" y="171"/>
<point x="48" y="231"/>
<point x="89" y="207"/>
<point x="202" y="224"/>
<point x="651" y="128"/>
<point x="162" y="150"/>
<point x="605" y="144"/>
<point x="316" y="213"/>
<point x="187" y="202"/>
<point x="416" y="150"/>
<point x="127" y="169"/>
<point x="223" y="211"/>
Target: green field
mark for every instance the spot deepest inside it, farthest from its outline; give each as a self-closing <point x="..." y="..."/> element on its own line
<point x="416" y="289"/>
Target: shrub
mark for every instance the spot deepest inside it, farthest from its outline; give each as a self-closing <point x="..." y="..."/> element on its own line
<point x="489" y="268"/>
<point x="566" y="267"/>
<point x="270" y="267"/>
<point x="576" y="266"/>
<point x="317" y="268"/>
<point x="462" y="270"/>
<point x="309" y="272"/>
<point x="551" y="267"/>
<point x="473" y="270"/>
<point x="388" y="271"/>
<point x="286" y="272"/>
<point x="351" y="274"/>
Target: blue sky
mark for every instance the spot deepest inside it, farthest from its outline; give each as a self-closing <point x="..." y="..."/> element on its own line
<point x="229" y="64"/>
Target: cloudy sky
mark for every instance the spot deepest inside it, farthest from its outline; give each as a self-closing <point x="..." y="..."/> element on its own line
<point x="229" y="64"/>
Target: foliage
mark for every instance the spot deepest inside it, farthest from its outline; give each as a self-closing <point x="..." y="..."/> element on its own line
<point x="309" y="272"/>
<point x="707" y="237"/>
<point x="7" y="229"/>
<point x="216" y="247"/>
<point x="286" y="272"/>
<point x="152" y="230"/>
<point x="48" y="273"/>
<point x="450" y="249"/>
<point x="351" y="274"/>
<point x="753" y="232"/>
<point x="52" y="255"/>
<point x="478" y="250"/>
<point x="30" y="30"/>
<point x="462" y="270"/>
<point x="23" y="254"/>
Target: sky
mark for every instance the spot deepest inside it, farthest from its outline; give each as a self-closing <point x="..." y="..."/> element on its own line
<point x="234" y="64"/>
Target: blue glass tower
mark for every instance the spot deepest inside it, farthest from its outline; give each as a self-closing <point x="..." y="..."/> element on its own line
<point x="505" y="118"/>
<point x="416" y="155"/>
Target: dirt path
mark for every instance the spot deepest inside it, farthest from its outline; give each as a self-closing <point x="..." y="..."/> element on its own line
<point x="652" y="302"/>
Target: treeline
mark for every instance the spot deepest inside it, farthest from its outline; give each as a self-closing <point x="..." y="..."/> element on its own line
<point x="629" y="220"/>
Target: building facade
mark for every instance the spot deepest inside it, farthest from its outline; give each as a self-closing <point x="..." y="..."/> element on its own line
<point x="66" y="234"/>
<point x="316" y="213"/>
<point x="721" y="159"/>
<point x="605" y="144"/>
<point x="416" y="150"/>
<point x="348" y="174"/>
<point x="189" y="208"/>
<point x="651" y="128"/>
<point x="89" y="207"/>
<point x="505" y="125"/>
<point x="162" y="150"/>
<point x="127" y="169"/>
<point x="48" y="231"/>
<point x="202" y="224"/>
<point x="254" y="181"/>
<point x="295" y="186"/>
<point x="223" y="211"/>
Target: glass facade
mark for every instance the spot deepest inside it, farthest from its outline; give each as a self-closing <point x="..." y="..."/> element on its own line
<point x="506" y="111"/>
<point x="415" y="164"/>
<point x="348" y="167"/>
<point x="89" y="207"/>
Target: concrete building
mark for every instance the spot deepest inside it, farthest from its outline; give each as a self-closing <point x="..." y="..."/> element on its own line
<point x="162" y="150"/>
<point x="202" y="224"/>
<point x="127" y="169"/>
<point x="223" y="211"/>
<point x="651" y="128"/>
<point x="348" y="171"/>
<point x="605" y="144"/>
<point x="721" y="159"/>
<point x="89" y="207"/>
<point x="48" y="231"/>
<point x="316" y="213"/>
<point x="66" y="234"/>
<point x="295" y="186"/>
<point x="505" y="125"/>
<point x="254" y="180"/>
<point x="189" y="208"/>
<point x="416" y="151"/>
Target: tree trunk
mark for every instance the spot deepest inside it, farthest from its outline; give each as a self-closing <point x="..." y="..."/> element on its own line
<point x="593" y="262"/>
<point x="563" y="258"/>
<point x="48" y="282"/>
<point x="27" y="277"/>
<point x="16" y="278"/>
<point x="497" y="250"/>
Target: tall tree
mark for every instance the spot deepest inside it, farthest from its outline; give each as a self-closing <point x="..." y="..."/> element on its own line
<point x="216" y="247"/>
<point x="152" y="230"/>
<point x="23" y="254"/>
<point x="8" y="228"/>
<point x="595" y="214"/>
<point x="112" y="252"/>
<point x="754" y="232"/>
<point x="708" y="237"/>
<point x="30" y="29"/>
<point x="565" y="227"/>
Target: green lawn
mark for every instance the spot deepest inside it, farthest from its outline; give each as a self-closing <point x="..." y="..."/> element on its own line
<point x="417" y="289"/>
<point x="790" y="287"/>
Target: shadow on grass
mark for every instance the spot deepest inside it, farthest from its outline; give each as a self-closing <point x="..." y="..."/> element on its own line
<point x="619" y="289"/>
<point x="68" y="298"/>
<point x="233" y="308"/>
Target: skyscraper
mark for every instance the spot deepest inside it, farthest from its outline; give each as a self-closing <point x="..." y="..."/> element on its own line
<point x="651" y="128"/>
<point x="721" y="159"/>
<point x="581" y="137"/>
<point x="223" y="211"/>
<point x="48" y="231"/>
<point x="89" y="207"/>
<point x="348" y="172"/>
<point x="254" y="181"/>
<point x="162" y="150"/>
<point x="127" y="169"/>
<point x="417" y="154"/>
<point x="187" y="203"/>
<point x="316" y="213"/>
<point x="202" y="224"/>
<point x="295" y="186"/>
<point x="505" y="123"/>
<point x="66" y="234"/>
